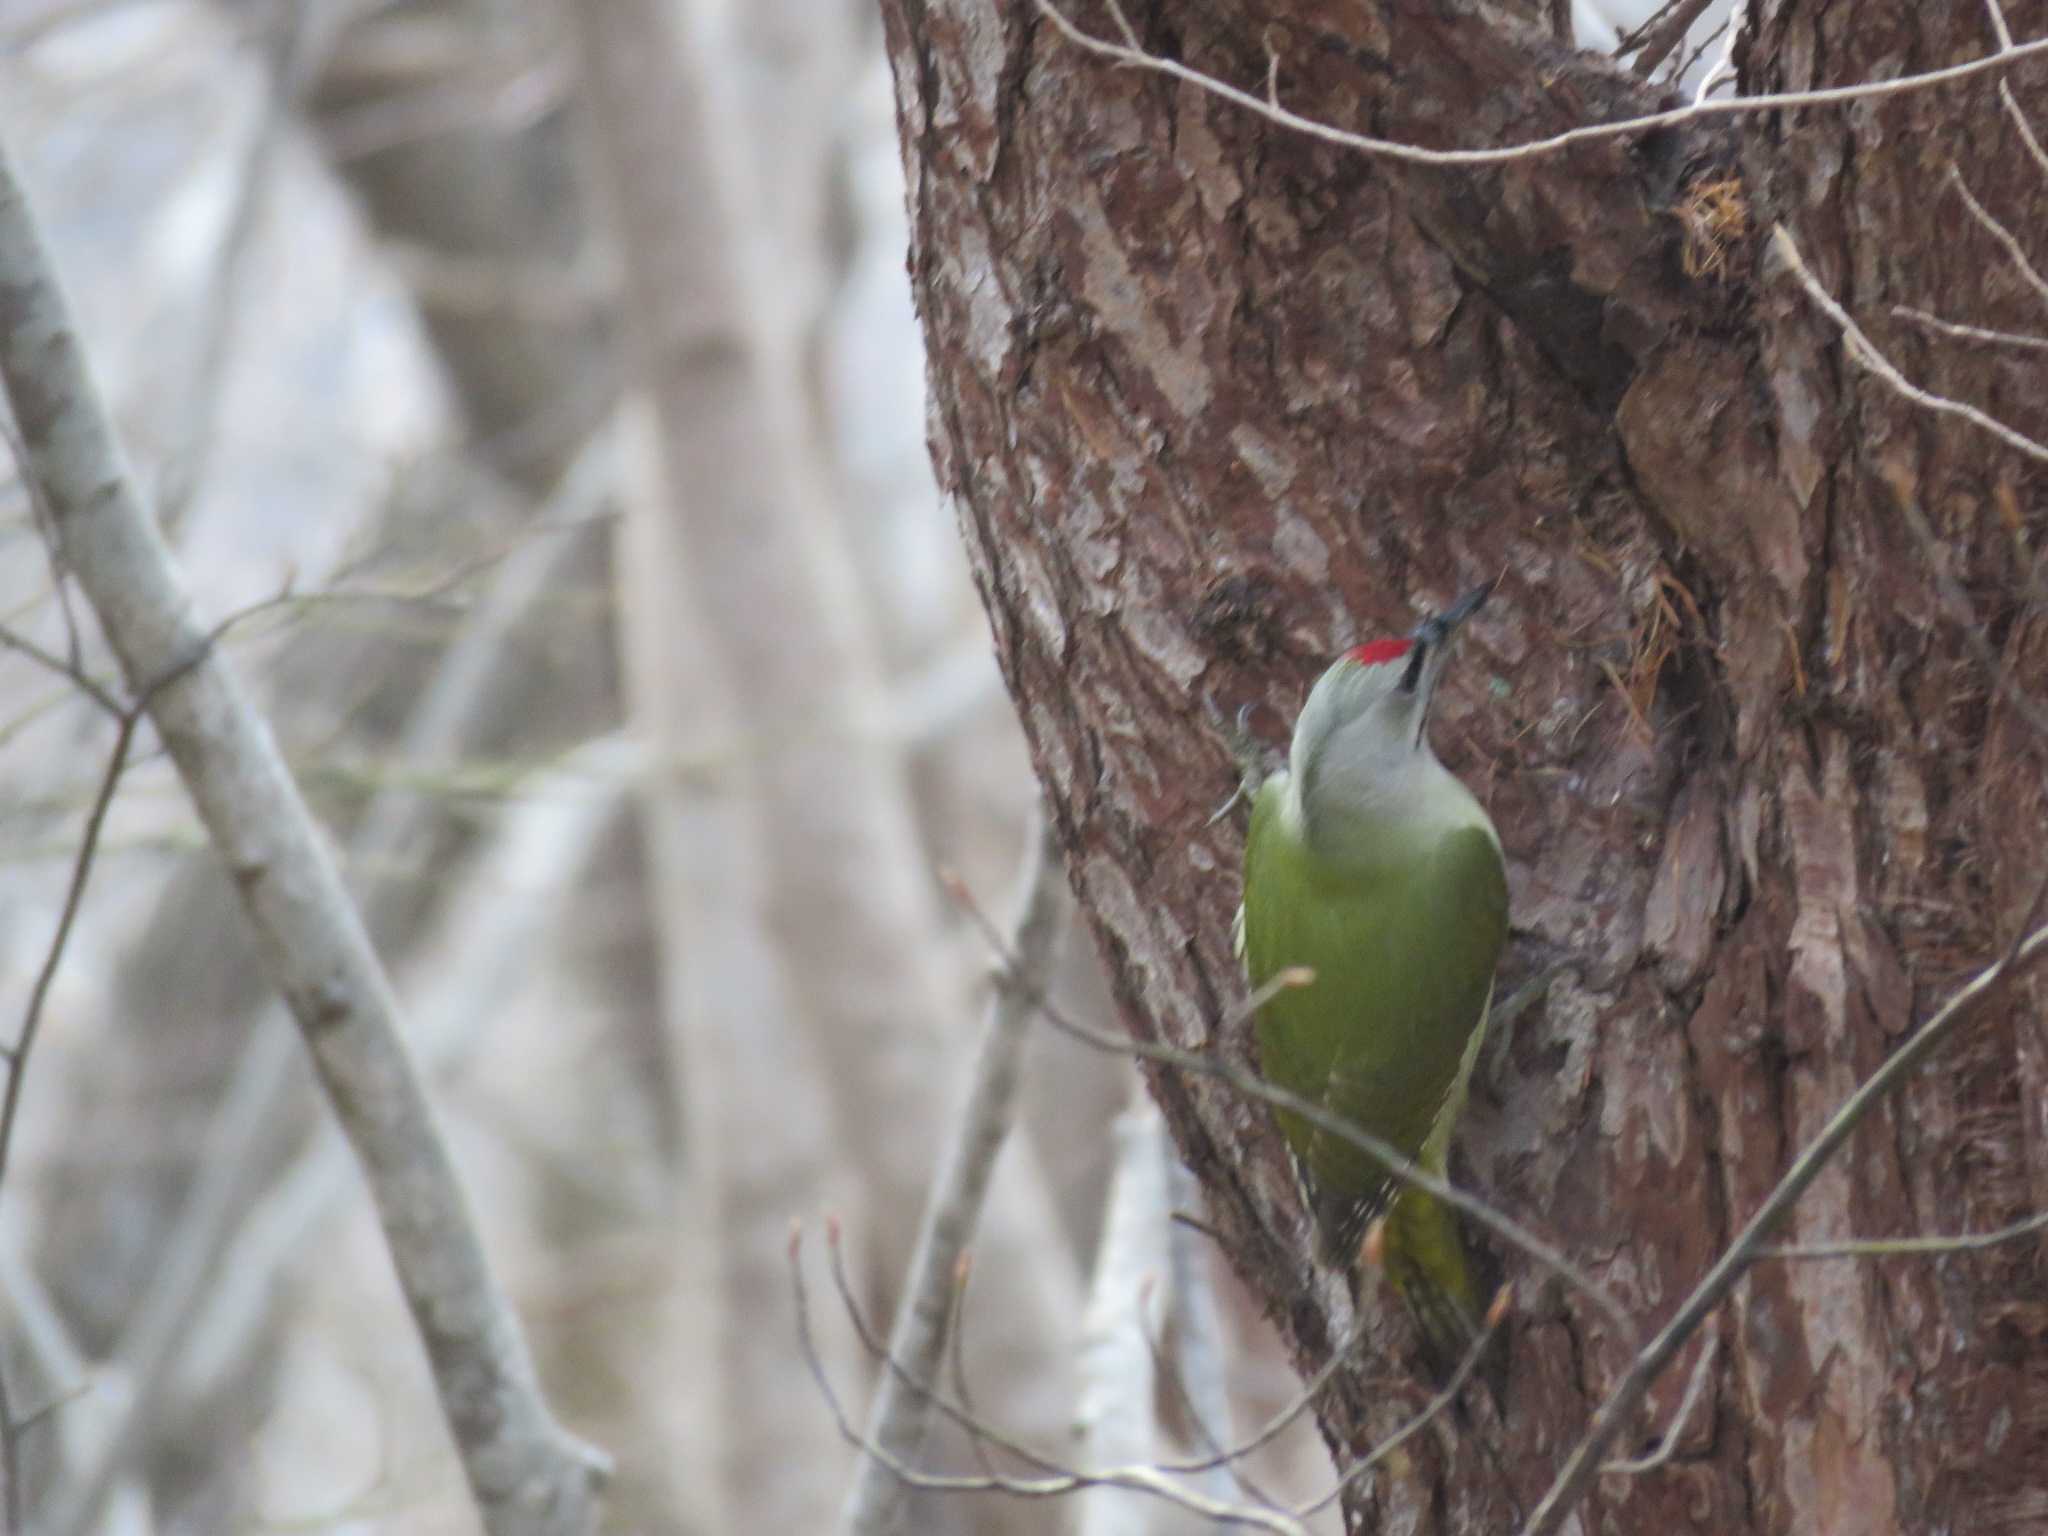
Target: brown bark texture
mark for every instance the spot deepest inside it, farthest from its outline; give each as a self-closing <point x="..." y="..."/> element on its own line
<point x="1214" y="399"/>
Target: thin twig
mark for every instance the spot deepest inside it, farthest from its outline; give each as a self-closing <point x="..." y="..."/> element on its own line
<point x="1907" y="1247"/>
<point x="1735" y="1260"/>
<point x="1998" y="24"/>
<point x="1977" y="333"/>
<point x="1661" y="33"/>
<point x="956" y="1351"/>
<point x="1115" y="1421"/>
<point x="1197" y="1367"/>
<point x="1496" y="1315"/>
<point x="1964" y="614"/>
<point x="1154" y="1479"/>
<point x="1273" y="1428"/>
<point x="1415" y="154"/>
<point x="10" y="1459"/>
<point x="897" y="1419"/>
<point x="1702" y="1368"/>
<point x="39" y="508"/>
<point x="1864" y="352"/>
<point x="1230" y="1479"/>
<point x="17" y="1055"/>
<point x="2012" y="107"/>
<point x="2007" y="240"/>
<point x="74" y="897"/>
<point x="2026" y="129"/>
<point x="924" y="1389"/>
<point x="1058" y="1483"/>
<point x="1724" y="67"/>
<point x="962" y="1416"/>
<point x="1691" y="60"/>
<point x="49" y="1406"/>
<point x="71" y="672"/>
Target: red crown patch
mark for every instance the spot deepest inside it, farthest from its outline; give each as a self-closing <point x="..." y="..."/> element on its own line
<point x="1374" y="652"/>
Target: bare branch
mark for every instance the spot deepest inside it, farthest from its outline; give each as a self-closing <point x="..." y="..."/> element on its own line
<point x="983" y="1434"/>
<point x="2012" y="107"/>
<point x="17" y="1054"/>
<point x="1735" y="1260"/>
<point x="2007" y="241"/>
<point x="1724" y="67"/>
<point x="1197" y="1366"/>
<point x="39" y="507"/>
<point x="1058" y="1484"/>
<point x="975" y="1428"/>
<point x="70" y="671"/>
<point x="501" y="915"/>
<point x="2019" y="120"/>
<point x="1496" y="1315"/>
<point x="222" y="1210"/>
<point x="1977" y="333"/>
<point x="1908" y="1247"/>
<point x="1702" y="1369"/>
<point x="1114" y="1418"/>
<point x="527" y="1474"/>
<point x="1153" y="1479"/>
<point x="10" y="1461"/>
<point x="897" y="1419"/>
<point x="1864" y="352"/>
<point x="1414" y="154"/>
<point x="1663" y="31"/>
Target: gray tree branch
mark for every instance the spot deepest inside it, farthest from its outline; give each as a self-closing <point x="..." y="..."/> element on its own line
<point x="898" y="1416"/>
<point x="526" y="1472"/>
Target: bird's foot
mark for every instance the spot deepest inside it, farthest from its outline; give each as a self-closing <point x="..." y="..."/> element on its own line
<point x="1255" y="762"/>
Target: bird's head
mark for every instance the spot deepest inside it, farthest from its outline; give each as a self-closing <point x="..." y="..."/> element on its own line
<point x="1366" y="715"/>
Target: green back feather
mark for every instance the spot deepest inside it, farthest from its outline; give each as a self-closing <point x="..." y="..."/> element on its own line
<point x="1403" y="934"/>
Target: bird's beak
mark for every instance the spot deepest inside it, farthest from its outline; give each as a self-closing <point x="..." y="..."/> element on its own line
<point x="1434" y="631"/>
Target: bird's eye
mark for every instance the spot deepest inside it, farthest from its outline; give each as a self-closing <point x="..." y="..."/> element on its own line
<point x="1414" y="673"/>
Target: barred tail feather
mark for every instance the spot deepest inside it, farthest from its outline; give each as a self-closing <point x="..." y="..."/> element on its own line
<point x="1427" y="1263"/>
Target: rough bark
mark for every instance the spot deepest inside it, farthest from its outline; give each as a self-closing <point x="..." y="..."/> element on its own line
<point x="1212" y="399"/>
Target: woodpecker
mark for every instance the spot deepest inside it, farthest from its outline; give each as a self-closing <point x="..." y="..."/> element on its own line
<point x="1370" y="864"/>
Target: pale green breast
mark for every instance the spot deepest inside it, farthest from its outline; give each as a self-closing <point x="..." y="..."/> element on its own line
<point x="1403" y="949"/>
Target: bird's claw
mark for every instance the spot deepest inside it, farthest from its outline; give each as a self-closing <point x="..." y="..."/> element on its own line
<point x="1246" y="750"/>
<point x="1227" y="806"/>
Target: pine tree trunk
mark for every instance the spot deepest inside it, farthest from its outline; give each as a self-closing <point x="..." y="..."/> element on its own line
<point x="1214" y="398"/>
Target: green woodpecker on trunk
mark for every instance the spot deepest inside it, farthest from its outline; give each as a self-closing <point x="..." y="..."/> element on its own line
<point x="1368" y="863"/>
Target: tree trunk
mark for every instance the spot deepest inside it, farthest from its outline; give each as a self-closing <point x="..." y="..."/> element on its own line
<point x="1214" y="398"/>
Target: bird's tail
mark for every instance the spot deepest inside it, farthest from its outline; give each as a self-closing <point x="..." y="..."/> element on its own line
<point x="1425" y="1258"/>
